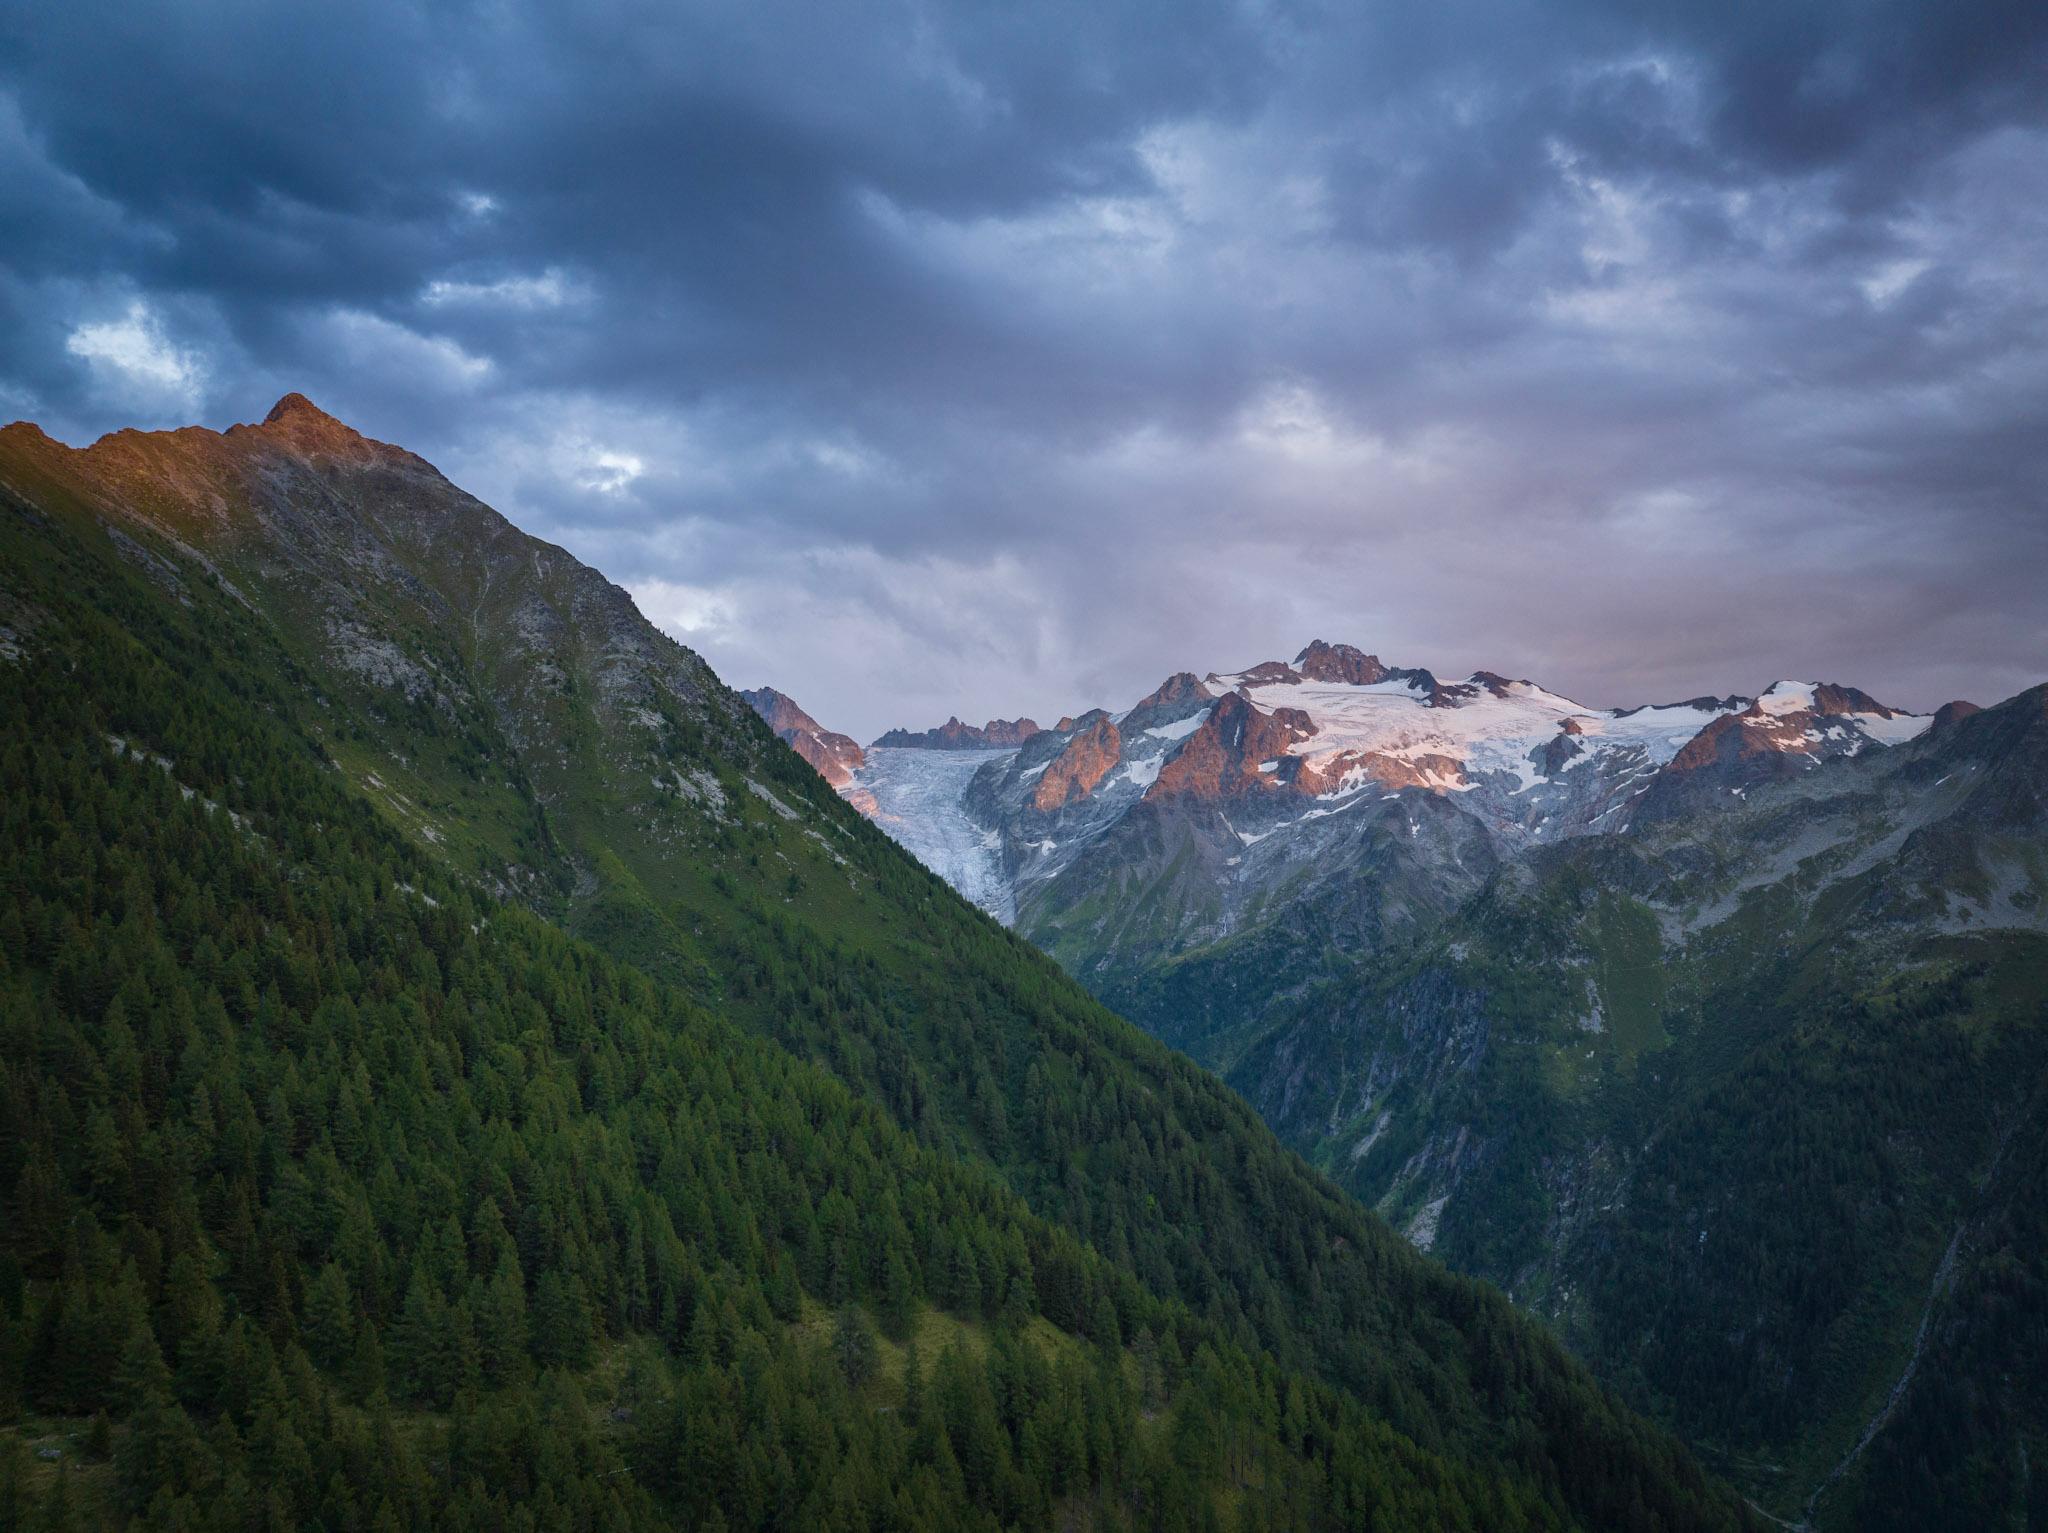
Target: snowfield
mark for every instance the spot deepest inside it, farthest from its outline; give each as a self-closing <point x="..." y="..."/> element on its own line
<point x="1502" y="733"/>
<point x="1487" y="733"/>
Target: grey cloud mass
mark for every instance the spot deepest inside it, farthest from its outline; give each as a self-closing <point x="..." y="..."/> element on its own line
<point x="932" y="358"/>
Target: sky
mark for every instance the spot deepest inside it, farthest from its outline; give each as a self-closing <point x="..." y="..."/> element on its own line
<point x="986" y="358"/>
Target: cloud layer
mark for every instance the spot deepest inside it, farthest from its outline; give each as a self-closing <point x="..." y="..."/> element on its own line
<point x="923" y="359"/>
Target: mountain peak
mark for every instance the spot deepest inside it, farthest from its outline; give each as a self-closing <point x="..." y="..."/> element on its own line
<point x="296" y="422"/>
<point x="837" y="757"/>
<point x="296" y="406"/>
<point x="1340" y="663"/>
<point x="1825" y="698"/>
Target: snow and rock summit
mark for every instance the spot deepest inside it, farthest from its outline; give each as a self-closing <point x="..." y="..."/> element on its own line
<point x="1266" y="756"/>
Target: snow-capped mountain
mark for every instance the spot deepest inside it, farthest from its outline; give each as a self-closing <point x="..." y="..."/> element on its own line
<point x="1252" y="763"/>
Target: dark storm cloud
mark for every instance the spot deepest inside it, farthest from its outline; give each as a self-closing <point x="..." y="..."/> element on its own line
<point x="921" y="358"/>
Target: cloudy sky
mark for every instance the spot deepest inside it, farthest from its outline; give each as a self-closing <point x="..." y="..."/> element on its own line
<point x="985" y="357"/>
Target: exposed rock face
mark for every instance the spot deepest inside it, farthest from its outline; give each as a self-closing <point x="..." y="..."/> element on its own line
<point x="1791" y="728"/>
<point x="1741" y="738"/>
<point x="1349" y="769"/>
<point x="1954" y="713"/>
<point x="1831" y="700"/>
<point x="2005" y="752"/>
<point x="956" y="736"/>
<point x="1180" y="687"/>
<point x="1008" y="731"/>
<point x="1733" y="703"/>
<point x="1180" y="696"/>
<point x="1558" y="752"/>
<point x="295" y="422"/>
<point x="1222" y="758"/>
<point x="1339" y="662"/>
<point x="1269" y="673"/>
<point x="837" y="757"/>
<point x="779" y="711"/>
<point x="1083" y="762"/>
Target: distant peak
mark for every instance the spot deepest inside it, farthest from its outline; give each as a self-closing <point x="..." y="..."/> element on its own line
<point x="1824" y="698"/>
<point x="956" y="736"/>
<point x="1339" y="663"/>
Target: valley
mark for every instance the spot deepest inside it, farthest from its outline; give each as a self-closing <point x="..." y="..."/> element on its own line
<point x="1697" y="1027"/>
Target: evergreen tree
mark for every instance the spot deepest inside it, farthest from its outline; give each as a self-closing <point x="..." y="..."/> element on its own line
<point x="853" y="1345"/>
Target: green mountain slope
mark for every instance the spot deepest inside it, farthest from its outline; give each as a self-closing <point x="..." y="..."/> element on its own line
<point x="304" y="1124"/>
<point x="1745" y="1102"/>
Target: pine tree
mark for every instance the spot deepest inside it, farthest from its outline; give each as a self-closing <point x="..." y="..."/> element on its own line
<point x="330" y="1323"/>
<point x="853" y="1345"/>
<point x="562" y="1330"/>
<point x="897" y="1304"/>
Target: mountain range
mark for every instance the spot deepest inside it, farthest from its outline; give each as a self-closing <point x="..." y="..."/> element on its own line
<point x="458" y="1069"/>
<point x="1714" y="1031"/>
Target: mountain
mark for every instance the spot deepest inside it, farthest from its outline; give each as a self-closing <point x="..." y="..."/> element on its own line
<point x="835" y="756"/>
<point x="956" y="736"/>
<point x="1713" y="1031"/>
<point x="1194" y="804"/>
<point x="459" y="1069"/>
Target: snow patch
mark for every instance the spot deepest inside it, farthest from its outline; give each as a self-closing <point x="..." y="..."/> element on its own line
<point x="1179" y="729"/>
<point x="1143" y="771"/>
<point x="1897" y="729"/>
<point x="1782" y="697"/>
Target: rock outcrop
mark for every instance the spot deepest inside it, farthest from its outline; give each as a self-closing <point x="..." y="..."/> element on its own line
<point x="837" y="757"/>
<point x="1339" y="662"/>
<point x="1221" y="759"/>
<point x="1091" y="755"/>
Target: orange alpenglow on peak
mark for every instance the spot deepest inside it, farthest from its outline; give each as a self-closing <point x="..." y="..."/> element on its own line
<point x="295" y="404"/>
<point x="299" y="424"/>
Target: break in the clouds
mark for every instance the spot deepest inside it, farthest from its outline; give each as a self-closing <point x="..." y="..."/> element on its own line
<point x="924" y="358"/>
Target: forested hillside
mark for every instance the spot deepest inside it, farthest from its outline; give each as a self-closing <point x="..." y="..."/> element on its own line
<point x="349" y="1190"/>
